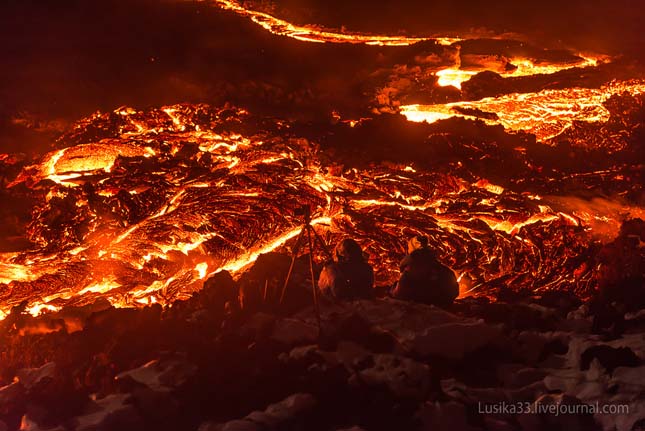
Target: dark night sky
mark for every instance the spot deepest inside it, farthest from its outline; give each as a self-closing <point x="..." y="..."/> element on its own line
<point x="63" y="60"/>
<point x="592" y="24"/>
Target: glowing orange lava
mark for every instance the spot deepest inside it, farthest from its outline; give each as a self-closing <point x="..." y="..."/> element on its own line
<point x="232" y="197"/>
<point x="546" y="114"/>
<point x="313" y="34"/>
<point x="455" y="76"/>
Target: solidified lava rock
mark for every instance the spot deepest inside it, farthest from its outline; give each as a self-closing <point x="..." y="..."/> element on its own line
<point x="609" y="357"/>
<point x="380" y="364"/>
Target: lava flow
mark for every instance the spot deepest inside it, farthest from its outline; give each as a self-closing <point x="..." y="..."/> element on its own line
<point x="313" y="34"/>
<point x="545" y="114"/>
<point x="141" y="206"/>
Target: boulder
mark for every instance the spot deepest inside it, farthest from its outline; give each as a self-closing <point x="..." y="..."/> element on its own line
<point x="558" y="411"/>
<point x="444" y="416"/>
<point x="29" y="378"/>
<point x="28" y="424"/>
<point x="404" y="377"/>
<point x="293" y="332"/>
<point x="162" y="375"/>
<point x="418" y="329"/>
<point x="514" y="376"/>
<point x="219" y="289"/>
<point x="10" y="396"/>
<point x="609" y="357"/>
<point x="278" y="416"/>
<point x="112" y="412"/>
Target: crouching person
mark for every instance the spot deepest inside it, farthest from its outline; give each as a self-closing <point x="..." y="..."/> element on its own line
<point x="349" y="276"/>
<point x="423" y="278"/>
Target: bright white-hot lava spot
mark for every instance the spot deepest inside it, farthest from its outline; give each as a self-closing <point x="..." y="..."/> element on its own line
<point x="143" y="205"/>
<point x="140" y="207"/>
<point x="546" y="114"/>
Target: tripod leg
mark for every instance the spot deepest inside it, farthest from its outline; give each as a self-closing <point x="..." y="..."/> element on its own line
<point x="294" y="255"/>
<point x="322" y="244"/>
<point x="314" y="289"/>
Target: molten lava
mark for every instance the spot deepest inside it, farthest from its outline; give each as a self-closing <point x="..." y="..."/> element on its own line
<point x="165" y="197"/>
<point x="455" y="76"/>
<point x="545" y="114"/>
<point x="313" y="34"/>
<point x="139" y="207"/>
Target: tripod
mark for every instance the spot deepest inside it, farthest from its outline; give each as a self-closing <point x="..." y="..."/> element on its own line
<point x="311" y="236"/>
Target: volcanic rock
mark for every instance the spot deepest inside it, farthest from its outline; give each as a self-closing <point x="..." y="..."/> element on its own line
<point x="571" y="414"/>
<point x="28" y="424"/>
<point x="444" y="416"/>
<point x="609" y="357"/>
<point x="31" y="377"/>
<point x="163" y="375"/>
<point x="219" y="289"/>
<point x="112" y="412"/>
<point x="420" y="329"/>
<point x="292" y="332"/>
<point x="282" y="415"/>
<point x="515" y="376"/>
<point x="405" y="377"/>
<point x="11" y="395"/>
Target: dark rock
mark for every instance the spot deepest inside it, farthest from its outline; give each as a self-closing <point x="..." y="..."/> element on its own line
<point x="609" y="357"/>
<point x="353" y="327"/>
<point x="293" y="332"/>
<point x="28" y="424"/>
<point x="11" y="396"/>
<point x="563" y="301"/>
<point x="259" y="325"/>
<point x="286" y="414"/>
<point x="30" y="378"/>
<point x="404" y="377"/>
<point x="262" y="284"/>
<point x="162" y="375"/>
<point x="219" y="289"/>
<point x="558" y="412"/>
<point x="444" y="416"/>
<point x="420" y="329"/>
<point x="110" y="413"/>
<point x="498" y="424"/>
<point x="517" y="375"/>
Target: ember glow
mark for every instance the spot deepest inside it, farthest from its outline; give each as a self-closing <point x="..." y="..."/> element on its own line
<point x="521" y="67"/>
<point x="178" y="195"/>
<point x="545" y="114"/>
<point x="141" y="206"/>
<point x="312" y="34"/>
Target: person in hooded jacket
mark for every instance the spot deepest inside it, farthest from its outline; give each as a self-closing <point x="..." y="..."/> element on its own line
<point x="423" y="278"/>
<point x="348" y="276"/>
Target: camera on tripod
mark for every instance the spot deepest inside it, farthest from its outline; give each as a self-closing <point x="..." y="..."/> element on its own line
<point x="303" y="211"/>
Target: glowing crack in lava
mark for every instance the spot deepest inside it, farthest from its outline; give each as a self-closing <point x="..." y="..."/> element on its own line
<point x="455" y="76"/>
<point x="184" y="191"/>
<point x="313" y="34"/>
<point x="546" y="114"/>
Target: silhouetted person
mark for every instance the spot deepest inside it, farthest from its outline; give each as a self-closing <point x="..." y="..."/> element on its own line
<point x="349" y="276"/>
<point x="621" y="279"/>
<point x="423" y="278"/>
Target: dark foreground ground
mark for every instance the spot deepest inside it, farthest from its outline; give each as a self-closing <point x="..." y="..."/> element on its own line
<point x="216" y="363"/>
